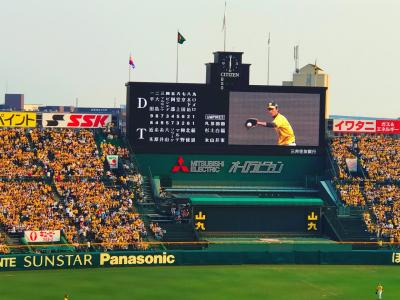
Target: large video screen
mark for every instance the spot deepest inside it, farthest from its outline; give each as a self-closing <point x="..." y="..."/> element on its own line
<point x="199" y="119"/>
<point x="301" y="114"/>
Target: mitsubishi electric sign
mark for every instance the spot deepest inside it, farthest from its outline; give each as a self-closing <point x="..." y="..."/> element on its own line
<point x="198" y="166"/>
<point x="216" y="166"/>
<point x="256" y="167"/>
<point x="206" y="166"/>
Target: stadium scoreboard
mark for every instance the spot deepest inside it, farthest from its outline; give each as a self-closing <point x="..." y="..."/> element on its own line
<point x="202" y="119"/>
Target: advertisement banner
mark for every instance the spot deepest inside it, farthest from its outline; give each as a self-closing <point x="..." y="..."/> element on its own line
<point x="388" y="126"/>
<point x="354" y="126"/>
<point x="352" y="164"/>
<point x="76" y="120"/>
<point x="42" y="236"/>
<point x="171" y="258"/>
<point x="367" y="126"/>
<point x="112" y="161"/>
<point x="17" y="119"/>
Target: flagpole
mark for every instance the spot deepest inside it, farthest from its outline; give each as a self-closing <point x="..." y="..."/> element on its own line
<point x="315" y="73"/>
<point x="225" y="39"/>
<point x="225" y="27"/>
<point x="177" y="58"/>
<point x="269" y="40"/>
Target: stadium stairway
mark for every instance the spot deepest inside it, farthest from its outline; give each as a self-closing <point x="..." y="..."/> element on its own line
<point x="147" y="191"/>
<point x="178" y="236"/>
<point x="14" y="242"/>
<point x="356" y="231"/>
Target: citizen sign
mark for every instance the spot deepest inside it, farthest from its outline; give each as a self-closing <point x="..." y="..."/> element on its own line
<point x="76" y="120"/>
<point x="256" y="167"/>
<point x="225" y="74"/>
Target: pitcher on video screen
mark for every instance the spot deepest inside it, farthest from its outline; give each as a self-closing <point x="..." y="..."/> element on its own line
<point x="281" y="125"/>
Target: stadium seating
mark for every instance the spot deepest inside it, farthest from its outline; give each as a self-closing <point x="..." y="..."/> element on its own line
<point x="59" y="179"/>
<point x="378" y="189"/>
<point x="379" y="156"/>
<point x="341" y="148"/>
<point x="17" y="158"/>
<point x="4" y="249"/>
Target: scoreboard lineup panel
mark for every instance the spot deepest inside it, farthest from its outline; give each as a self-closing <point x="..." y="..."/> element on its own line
<point x="200" y="119"/>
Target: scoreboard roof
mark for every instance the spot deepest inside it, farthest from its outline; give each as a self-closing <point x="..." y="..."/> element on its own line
<point x="246" y="201"/>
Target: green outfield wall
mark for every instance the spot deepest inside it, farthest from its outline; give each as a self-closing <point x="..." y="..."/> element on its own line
<point x="177" y="258"/>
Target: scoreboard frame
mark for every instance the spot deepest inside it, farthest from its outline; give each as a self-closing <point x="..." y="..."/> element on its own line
<point x="134" y="89"/>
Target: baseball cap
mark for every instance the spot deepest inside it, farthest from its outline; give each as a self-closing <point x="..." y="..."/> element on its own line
<point x="272" y="105"/>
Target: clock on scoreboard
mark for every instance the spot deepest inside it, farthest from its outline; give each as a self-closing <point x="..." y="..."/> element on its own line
<point x="227" y="72"/>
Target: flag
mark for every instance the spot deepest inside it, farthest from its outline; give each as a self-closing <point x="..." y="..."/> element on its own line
<point x="181" y="39"/>
<point x="131" y="63"/>
<point x="224" y="21"/>
<point x="269" y="38"/>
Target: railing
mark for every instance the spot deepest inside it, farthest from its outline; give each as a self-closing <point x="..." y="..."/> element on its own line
<point x="331" y="215"/>
<point x="343" y="211"/>
<point x="332" y="164"/>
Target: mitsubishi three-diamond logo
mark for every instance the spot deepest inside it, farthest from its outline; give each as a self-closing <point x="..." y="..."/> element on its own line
<point x="180" y="166"/>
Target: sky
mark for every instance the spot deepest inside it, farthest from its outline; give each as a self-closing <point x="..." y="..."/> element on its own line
<point x="55" y="52"/>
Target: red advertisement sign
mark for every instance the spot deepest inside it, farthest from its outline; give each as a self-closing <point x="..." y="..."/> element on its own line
<point x="367" y="126"/>
<point x="388" y="126"/>
<point x="75" y="120"/>
<point x="360" y="126"/>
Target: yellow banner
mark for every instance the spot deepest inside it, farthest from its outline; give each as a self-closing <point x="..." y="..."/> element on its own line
<point x="17" y="119"/>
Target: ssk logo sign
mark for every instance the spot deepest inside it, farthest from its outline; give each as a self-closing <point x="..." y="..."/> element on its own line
<point x="75" y="120"/>
<point x="198" y="166"/>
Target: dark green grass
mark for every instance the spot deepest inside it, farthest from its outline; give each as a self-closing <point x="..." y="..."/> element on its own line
<point x="204" y="282"/>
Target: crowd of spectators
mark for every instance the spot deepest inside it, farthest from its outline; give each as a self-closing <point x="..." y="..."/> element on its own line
<point x="180" y="212"/>
<point x="110" y="149"/>
<point x="342" y="148"/>
<point x="17" y="159"/>
<point x="384" y="200"/>
<point x="350" y="194"/>
<point x="378" y="189"/>
<point x="380" y="157"/>
<point x="102" y="215"/>
<point x="157" y="231"/>
<point x="68" y="152"/>
<point x="4" y="249"/>
<point x="67" y="190"/>
<point x="31" y="205"/>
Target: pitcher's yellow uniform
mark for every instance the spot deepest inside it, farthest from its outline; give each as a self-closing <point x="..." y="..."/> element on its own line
<point x="284" y="130"/>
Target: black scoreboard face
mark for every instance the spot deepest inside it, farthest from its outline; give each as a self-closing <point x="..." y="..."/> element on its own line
<point x="200" y="119"/>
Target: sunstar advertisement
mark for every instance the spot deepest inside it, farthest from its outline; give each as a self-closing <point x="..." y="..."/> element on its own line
<point x="85" y="260"/>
